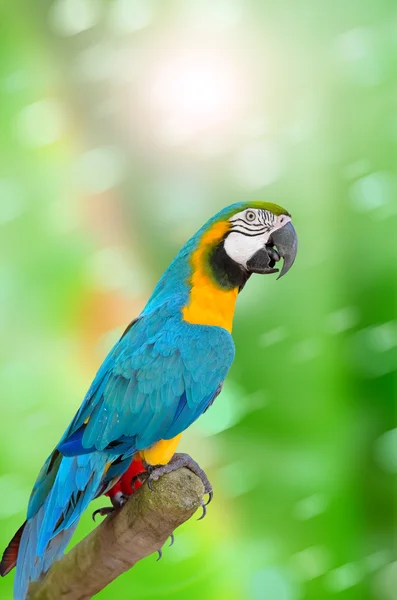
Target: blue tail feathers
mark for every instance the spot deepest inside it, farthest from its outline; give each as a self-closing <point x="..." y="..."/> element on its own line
<point x="65" y="487"/>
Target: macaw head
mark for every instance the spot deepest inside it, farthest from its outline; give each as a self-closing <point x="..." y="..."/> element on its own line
<point x="259" y="236"/>
<point x="252" y="237"/>
<point x="241" y="239"/>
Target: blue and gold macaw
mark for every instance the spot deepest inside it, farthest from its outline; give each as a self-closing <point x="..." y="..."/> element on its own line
<point x="164" y="372"/>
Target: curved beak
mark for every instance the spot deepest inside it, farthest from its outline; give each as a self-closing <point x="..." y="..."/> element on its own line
<point x="285" y="241"/>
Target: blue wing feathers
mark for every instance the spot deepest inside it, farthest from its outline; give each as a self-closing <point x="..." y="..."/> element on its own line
<point x="72" y="446"/>
<point x="156" y="371"/>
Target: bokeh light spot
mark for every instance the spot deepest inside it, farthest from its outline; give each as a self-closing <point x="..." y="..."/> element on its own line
<point x="343" y="577"/>
<point x="63" y="216"/>
<point x="385" y="584"/>
<point x="386" y="451"/>
<point x="274" y="336"/>
<point x="354" y="44"/>
<point x="96" y="63"/>
<point x="238" y="478"/>
<point x="375" y="349"/>
<point x="206" y="15"/>
<point x="41" y="123"/>
<point x="359" y="49"/>
<point x="306" y="350"/>
<point x="14" y="494"/>
<point x="272" y="583"/>
<point x="37" y="420"/>
<point x="311" y="563"/>
<point x="256" y="127"/>
<point x="11" y="203"/>
<point x="357" y="169"/>
<point x="383" y="337"/>
<point x="375" y="561"/>
<point x="258" y="164"/>
<point x="111" y="269"/>
<point x="100" y="169"/>
<point x="70" y="17"/>
<point x="310" y="507"/>
<point x="190" y="94"/>
<point x="301" y="129"/>
<point x="342" y="320"/>
<point x="257" y="551"/>
<point x="371" y="192"/>
<point x="249" y="300"/>
<point x="15" y="82"/>
<point x="170" y="194"/>
<point x="130" y="15"/>
<point x="185" y="548"/>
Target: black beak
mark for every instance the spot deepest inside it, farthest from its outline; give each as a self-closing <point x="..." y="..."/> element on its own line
<point x="283" y="243"/>
<point x="286" y="242"/>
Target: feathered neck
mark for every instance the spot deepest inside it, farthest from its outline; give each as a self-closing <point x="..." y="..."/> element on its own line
<point x="202" y="279"/>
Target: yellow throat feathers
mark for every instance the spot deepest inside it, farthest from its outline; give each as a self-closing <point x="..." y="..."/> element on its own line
<point x="209" y="303"/>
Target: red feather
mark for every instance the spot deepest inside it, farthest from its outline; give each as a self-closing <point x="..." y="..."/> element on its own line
<point x="124" y="483"/>
<point x="9" y="559"/>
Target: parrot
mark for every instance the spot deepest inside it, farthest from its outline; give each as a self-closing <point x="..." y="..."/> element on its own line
<point x="165" y="371"/>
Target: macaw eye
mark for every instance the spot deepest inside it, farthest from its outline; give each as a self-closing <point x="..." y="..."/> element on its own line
<point x="250" y="216"/>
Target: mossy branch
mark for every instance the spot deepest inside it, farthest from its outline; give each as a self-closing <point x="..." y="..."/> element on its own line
<point x="140" y="528"/>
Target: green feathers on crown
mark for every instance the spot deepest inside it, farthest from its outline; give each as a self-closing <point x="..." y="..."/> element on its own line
<point x="276" y="209"/>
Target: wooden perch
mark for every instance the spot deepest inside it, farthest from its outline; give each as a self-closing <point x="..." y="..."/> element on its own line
<point x="140" y="528"/>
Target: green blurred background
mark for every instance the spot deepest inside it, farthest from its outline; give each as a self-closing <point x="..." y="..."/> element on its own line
<point x="124" y="125"/>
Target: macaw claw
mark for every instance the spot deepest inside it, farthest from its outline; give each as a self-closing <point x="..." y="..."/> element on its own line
<point x="103" y="512"/>
<point x="140" y="478"/>
<point x="160" y="551"/>
<point x="204" y="507"/>
<point x="118" y="502"/>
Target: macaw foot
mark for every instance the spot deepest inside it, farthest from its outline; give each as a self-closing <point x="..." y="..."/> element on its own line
<point x="179" y="460"/>
<point x="118" y="501"/>
<point x="160" y="551"/>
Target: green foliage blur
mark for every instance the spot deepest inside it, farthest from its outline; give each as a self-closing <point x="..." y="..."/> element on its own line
<point x="124" y="125"/>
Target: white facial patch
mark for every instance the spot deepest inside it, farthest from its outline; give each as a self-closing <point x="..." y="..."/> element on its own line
<point x="241" y="248"/>
<point x="250" y="231"/>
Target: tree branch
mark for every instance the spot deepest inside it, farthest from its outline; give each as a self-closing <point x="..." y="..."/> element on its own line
<point x="140" y="528"/>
